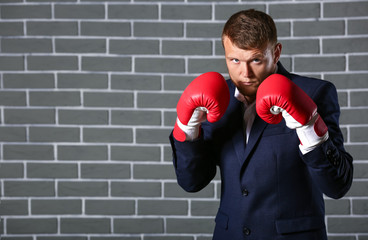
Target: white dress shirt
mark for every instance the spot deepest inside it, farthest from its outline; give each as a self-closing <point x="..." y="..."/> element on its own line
<point x="249" y="113"/>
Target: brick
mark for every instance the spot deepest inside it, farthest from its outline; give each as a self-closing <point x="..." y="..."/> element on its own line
<point x="347" y="225"/>
<point x="360" y="206"/>
<point x="158" y="100"/>
<point x="75" y="152"/>
<point x="207" y="65"/>
<point x="160" y="65"/>
<point x="169" y="238"/>
<point x="82" y="189"/>
<point x="13" y="207"/>
<point x="85" y="225"/>
<point x="31" y="226"/>
<point x="110" y="207"/>
<point x="173" y="190"/>
<point x="224" y="11"/>
<point x="120" y="29"/>
<point x="136" y="11"/>
<point x="187" y="47"/>
<point x="134" y="117"/>
<point x="26" y="45"/>
<point x="11" y="29"/>
<point x="52" y="170"/>
<point x="358" y="188"/>
<point x="345" y="9"/>
<point x="29" y="116"/>
<point x="165" y="237"/>
<point x="139" y="225"/>
<point x="343" y="99"/>
<point x="319" y="28"/>
<point x="167" y="154"/>
<point x="319" y="64"/>
<point x="52" y="28"/>
<point x="29" y="189"/>
<point x="158" y="29"/>
<point x="345" y="237"/>
<point x="82" y="80"/>
<point x="358" y="98"/>
<point x="153" y="135"/>
<point x="54" y="134"/>
<point x="11" y="170"/>
<point x="219" y="49"/>
<point x="135" y="153"/>
<point x="105" y="171"/>
<point x="345" y="45"/>
<point x="357" y="26"/>
<point x="169" y="118"/>
<point x="134" y="47"/>
<point x="85" y="117"/>
<point x="25" y="11"/>
<point x="337" y="207"/>
<point x="108" y="99"/>
<point x="28" y="80"/>
<point x="177" y="225"/>
<point x="80" y="45"/>
<point x="68" y="237"/>
<point x="59" y="98"/>
<point x="360" y="170"/>
<point x="151" y="171"/>
<point x="80" y="11"/>
<point x="52" y="63"/>
<point x="28" y="152"/>
<point x="136" y="82"/>
<point x="56" y="207"/>
<point x="348" y="81"/>
<point x="12" y="134"/>
<point x="283" y="29"/>
<point x="358" y="151"/>
<point x="10" y="63"/>
<point x="204" y="30"/>
<point x="12" y="98"/>
<point x="177" y="82"/>
<point x="299" y="10"/>
<point x="358" y="63"/>
<point x="197" y="12"/>
<point x="110" y="135"/>
<point x="106" y="64"/>
<point x="358" y="134"/>
<point x="162" y="207"/>
<point x="204" y="208"/>
<point x="354" y="116"/>
<point x="136" y="189"/>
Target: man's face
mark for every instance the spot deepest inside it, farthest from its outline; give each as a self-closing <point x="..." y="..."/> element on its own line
<point x="248" y="68"/>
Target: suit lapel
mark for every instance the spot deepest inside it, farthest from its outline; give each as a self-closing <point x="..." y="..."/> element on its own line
<point x="243" y="151"/>
<point x="239" y="145"/>
<point x="255" y="134"/>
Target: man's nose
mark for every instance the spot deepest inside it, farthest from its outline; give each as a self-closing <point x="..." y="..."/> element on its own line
<point x="246" y="70"/>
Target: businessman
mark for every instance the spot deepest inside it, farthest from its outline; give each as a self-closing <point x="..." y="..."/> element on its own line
<point x="274" y="136"/>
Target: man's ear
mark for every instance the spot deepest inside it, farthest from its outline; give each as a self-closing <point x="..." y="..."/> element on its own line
<point x="277" y="52"/>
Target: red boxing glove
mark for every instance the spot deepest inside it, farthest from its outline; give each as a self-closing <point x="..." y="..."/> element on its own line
<point x="277" y="94"/>
<point x="206" y="97"/>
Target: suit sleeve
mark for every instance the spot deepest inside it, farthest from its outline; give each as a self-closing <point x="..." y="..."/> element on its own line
<point x="193" y="163"/>
<point x="329" y="164"/>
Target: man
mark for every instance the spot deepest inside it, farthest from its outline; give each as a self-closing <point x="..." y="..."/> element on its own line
<point x="273" y="174"/>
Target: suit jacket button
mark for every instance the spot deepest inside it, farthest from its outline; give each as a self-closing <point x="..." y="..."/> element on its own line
<point x="245" y="192"/>
<point x="329" y="153"/>
<point x="246" y="231"/>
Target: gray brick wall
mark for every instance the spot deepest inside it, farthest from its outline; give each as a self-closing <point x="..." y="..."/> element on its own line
<point x="87" y="101"/>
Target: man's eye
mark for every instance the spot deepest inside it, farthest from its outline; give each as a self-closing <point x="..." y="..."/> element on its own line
<point x="234" y="60"/>
<point x="256" y="60"/>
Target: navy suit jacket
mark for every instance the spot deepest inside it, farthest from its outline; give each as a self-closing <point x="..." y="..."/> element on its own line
<point x="269" y="190"/>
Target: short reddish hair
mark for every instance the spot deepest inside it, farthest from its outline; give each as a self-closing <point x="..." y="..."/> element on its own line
<point x="250" y="29"/>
